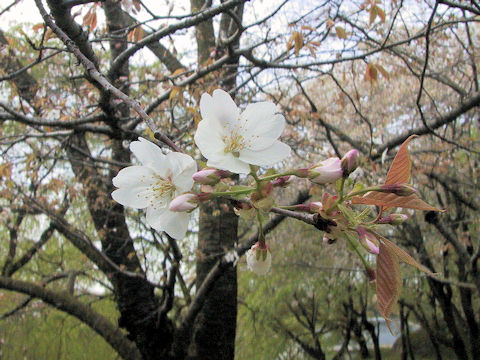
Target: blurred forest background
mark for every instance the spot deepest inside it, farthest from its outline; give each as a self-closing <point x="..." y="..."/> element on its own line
<point x="83" y="278"/>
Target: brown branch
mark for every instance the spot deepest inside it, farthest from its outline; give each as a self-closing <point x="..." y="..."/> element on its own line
<point x="465" y="106"/>
<point x="460" y="6"/>
<point x="157" y="35"/>
<point x="28" y="255"/>
<point x="13" y="232"/>
<point x="92" y="71"/>
<point x="161" y="52"/>
<point x="63" y="301"/>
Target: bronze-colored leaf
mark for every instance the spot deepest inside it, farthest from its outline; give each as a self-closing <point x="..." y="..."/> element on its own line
<point x="371" y="74"/>
<point x="392" y="200"/>
<point x="389" y="281"/>
<point x="401" y="167"/>
<point x="381" y="13"/>
<point x="373" y="14"/>
<point x="341" y="33"/>
<point x="298" y="41"/>
<point x="402" y="255"/>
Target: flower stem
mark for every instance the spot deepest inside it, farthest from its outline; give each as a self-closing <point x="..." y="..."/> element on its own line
<point x="363" y="191"/>
<point x="340" y="196"/>
<point x="261" y="234"/>
<point x="230" y="193"/>
<point x="274" y="176"/>
<point x="354" y="245"/>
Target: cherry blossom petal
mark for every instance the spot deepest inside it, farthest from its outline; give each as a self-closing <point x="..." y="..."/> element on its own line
<point x="269" y="156"/>
<point x="135" y="197"/>
<point x="259" y="266"/>
<point x="219" y="109"/>
<point x="174" y="224"/>
<point x="230" y="163"/>
<point x="209" y="141"/>
<point x="183" y="167"/>
<point x="150" y="155"/>
<point x="263" y="124"/>
<point x="134" y="176"/>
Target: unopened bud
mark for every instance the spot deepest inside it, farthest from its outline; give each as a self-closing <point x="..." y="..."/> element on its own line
<point x="282" y="181"/>
<point x="350" y="162"/>
<point x="368" y="240"/>
<point x="210" y="176"/>
<point x="393" y="219"/>
<point x="314" y="206"/>
<point x="328" y="171"/>
<point x="259" y="259"/>
<point x="184" y="202"/>
<point x="398" y="189"/>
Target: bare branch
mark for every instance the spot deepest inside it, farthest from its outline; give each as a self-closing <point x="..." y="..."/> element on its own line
<point x="65" y="302"/>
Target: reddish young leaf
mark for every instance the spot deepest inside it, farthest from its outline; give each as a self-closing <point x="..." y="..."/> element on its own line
<point x="401" y="167"/>
<point x="371" y="74"/>
<point x="392" y="200"/>
<point x="402" y="255"/>
<point x="389" y="281"/>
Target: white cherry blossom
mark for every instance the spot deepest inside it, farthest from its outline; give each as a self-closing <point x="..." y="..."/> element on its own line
<point x="231" y="140"/>
<point x="154" y="184"/>
<point x="259" y="259"/>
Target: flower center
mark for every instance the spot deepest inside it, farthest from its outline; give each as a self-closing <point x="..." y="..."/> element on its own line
<point x="234" y="143"/>
<point x="162" y="187"/>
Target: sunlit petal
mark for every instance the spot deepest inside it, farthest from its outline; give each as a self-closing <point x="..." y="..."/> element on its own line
<point x="134" y="176"/>
<point x="269" y="156"/>
<point x="263" y="124"/>
<point x="209" y="141"/>
<point x="150" y="155"/>
<point x="174" y="224"/>
<point x="219" y="109"/>
<point x="230" y="163"/>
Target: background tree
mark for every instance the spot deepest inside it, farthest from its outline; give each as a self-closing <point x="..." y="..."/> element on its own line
<point x="343" y="74"/>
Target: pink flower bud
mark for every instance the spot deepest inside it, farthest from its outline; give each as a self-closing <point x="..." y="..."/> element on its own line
<point x="368" y="240"/>
<point x="393" y="219"/>
<point x="315" y="206"/>
<point x="350" y="162"/>
<point x="209" y="176"/>
<point x="398" y="189"/>
<point x="184" y="202"/>
<point x="259" y="259"/>
<point x="328" y="171"/>
<point x="282" y="181"/>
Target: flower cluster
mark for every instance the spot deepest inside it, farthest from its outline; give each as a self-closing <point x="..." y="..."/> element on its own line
<point x="154" y="184"/>
<point x="235" y="142"/>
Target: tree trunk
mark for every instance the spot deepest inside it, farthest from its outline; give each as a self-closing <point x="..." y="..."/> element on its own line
<point x="214" y="329"/>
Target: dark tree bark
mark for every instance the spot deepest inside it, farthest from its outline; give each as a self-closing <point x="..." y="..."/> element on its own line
<point x="214" y="329"/>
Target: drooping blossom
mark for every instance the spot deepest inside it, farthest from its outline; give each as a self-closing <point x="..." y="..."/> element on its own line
<point x="231" y="140"/>
<point x="154" y="184"/>
<point x="326" y="172"/>
<point x="259" y="259"/>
